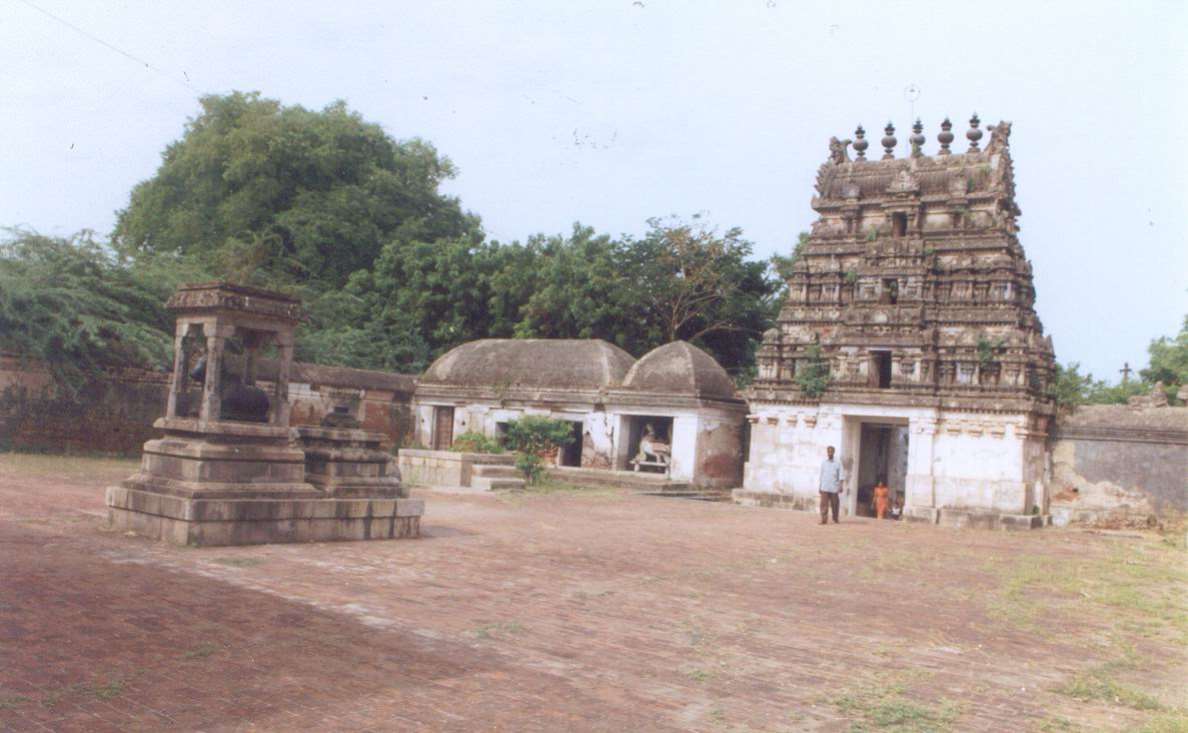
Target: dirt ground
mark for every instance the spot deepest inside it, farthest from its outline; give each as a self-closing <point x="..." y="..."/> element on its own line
<point x="581" y="611"/>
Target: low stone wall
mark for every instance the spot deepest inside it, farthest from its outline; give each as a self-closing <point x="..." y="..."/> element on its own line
<point x="115" y="413"/>
<point x="110" y="415"/>
<point x="1115" y="466"/>
<point x="419" y="467"/>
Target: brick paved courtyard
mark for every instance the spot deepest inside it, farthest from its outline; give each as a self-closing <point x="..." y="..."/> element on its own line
<point x="599" y="611"/>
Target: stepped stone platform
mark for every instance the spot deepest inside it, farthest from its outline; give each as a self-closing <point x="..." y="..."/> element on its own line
<point x="230" y="470"/>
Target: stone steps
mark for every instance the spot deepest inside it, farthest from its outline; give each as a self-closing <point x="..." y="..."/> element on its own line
<point x="488" y="470"/>
<point x="496" y="483"/>
<point x="691" y="493"/>
<point x="638" y="481"/>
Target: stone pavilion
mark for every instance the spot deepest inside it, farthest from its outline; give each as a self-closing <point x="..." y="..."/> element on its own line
<point x="229" y="469"/>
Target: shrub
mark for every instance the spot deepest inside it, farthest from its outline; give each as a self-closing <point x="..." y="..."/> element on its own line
<point x="472" y="442"/>
<point x="531" y="465"/>
<point x="813" y="377"/>
<point x="533" y="435"/>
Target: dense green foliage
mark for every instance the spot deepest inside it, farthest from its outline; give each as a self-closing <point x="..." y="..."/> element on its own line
<point x="1168" y="364"/>
<point x="284" y="196"/>
<point x="534" y="435"/>
<point x="1169" y="360"/>
<point x="70" y="305"/>
<point x="813" y="375"/>
<point x="471" y="442"/>
<point x="394" y="273"/>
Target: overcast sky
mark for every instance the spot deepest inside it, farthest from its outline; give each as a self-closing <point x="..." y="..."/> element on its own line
<point x="611" y="112"/>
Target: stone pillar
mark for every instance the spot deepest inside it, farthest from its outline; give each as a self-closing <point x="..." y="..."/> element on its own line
<point x="284" y="365"/>
<point x="180" y="377"/>
<point x="920" y="483"/>
<point x="216" y="336"/>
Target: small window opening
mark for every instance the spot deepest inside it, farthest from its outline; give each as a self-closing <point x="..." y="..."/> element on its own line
<point x="899" y="225"/>
<point x="891" y="291"/>
<point x="880" y="369"/>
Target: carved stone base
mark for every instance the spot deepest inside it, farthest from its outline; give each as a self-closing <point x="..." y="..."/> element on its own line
<point x="226" y="483"/>
<point x="244" y="521"/>
<point x="348" y="462"/>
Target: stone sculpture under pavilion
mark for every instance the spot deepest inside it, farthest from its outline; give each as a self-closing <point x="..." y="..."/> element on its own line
<point x="229" y="469"/>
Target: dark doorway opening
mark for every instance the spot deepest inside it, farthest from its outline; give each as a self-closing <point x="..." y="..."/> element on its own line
<point x="571" y="454"/>
<point x="899" y="225"/>
<point x="882" y="456"/>
<point x="443" y="428"/>
<point x="891" y="291"/>
<point x="880" y="369"/>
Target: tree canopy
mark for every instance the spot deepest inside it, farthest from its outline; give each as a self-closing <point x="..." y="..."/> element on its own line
<point x="1168" y="364"/>
<point x="329" y="207"/>
<point x="255" y="190"/>
<point x="70" y="305"/>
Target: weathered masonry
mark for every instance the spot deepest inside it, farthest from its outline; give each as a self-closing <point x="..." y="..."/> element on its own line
<point x="914" y="297"/>
<point x="676" y="393"/>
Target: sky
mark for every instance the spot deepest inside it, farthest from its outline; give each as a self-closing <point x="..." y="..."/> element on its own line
<point x="614" y="111"/>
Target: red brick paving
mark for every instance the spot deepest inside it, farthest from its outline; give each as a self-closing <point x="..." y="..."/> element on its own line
<point x="600" y="612"/>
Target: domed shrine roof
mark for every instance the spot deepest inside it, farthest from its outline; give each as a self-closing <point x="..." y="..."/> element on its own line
<point x="680" y="368"/>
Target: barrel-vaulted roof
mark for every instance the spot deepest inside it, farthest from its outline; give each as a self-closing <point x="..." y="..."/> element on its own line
<point x="562" y="364"/>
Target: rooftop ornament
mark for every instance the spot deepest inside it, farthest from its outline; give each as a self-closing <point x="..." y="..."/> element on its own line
<point x="889" y="142"/>
<point x="945" y="137"/>
<point x="973" y="134"/>
<point x="860" y="143"/>
<point x="917" y="139"/>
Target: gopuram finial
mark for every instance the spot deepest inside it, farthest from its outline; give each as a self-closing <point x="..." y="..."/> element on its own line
<point x="889" y="141"/>
<point x="860" y="143"/>
<point x="973" y="134"/>
<point x="917" y="139"/>
<point x="945" y="137"/>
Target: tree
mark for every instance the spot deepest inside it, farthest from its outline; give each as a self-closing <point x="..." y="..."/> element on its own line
<point x="699" y="286"/>
<point x="582" y="286"/>
<point x="285" y="196"/>
<point x="67" y="303"/>
<point x="1168" y="361"/>
<point x="1069" y="387"/>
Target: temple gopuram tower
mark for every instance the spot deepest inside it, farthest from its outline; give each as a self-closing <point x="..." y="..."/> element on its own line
<point x="909" y="341"/>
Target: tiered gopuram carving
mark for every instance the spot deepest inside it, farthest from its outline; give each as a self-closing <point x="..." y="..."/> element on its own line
<point x="912" y="285"/>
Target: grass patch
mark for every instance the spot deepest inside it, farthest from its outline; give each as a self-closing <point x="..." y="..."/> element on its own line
<point x="1143" y="583"/>
<point x="489" y="631"/>
<point x="8" y="702"/>
<point x="1098" y="685"/>
<point x="108" y="690"/>
<point x="885" y="706"/>
<point x="1054" y="725"/>
<point x="238" y="562"/>
<point x="1169" y="722"/>
<point x="699" y="675"/>
<point x="202" y="651"/>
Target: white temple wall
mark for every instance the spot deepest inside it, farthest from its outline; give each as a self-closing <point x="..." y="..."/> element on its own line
<point x="956" y="460"/>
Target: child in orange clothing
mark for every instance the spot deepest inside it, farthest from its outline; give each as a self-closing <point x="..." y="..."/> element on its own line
<point x="882" y="499"/>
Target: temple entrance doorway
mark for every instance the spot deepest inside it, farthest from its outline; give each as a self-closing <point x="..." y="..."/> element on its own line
<point x="443" y="428"/>
<point x="571" y="454"/>
<point x="882" y="456"/>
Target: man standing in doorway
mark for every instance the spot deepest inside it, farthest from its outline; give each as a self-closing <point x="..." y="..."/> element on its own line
<point x="830" y="487"/>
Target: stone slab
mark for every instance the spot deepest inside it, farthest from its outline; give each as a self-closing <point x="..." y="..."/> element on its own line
<point x="202" y="522"/>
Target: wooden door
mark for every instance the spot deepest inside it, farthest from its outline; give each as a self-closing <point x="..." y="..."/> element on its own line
<point x="443" y="427"/>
